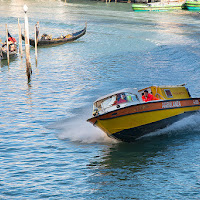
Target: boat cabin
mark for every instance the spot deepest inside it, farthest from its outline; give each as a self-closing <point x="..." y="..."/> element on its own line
<point x="116" y="100"/>
<point x="128" y="97"/>
<point x="168" y="92"/>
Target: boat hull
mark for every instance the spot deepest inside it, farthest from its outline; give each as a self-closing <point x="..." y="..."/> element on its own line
<point x="3" y="55"/>
<point x="130" y="135"/>
<point x="57" y="41"/>
<point x="192" y="6"/>
<point x="129" y="123"/>
<point x="157" y="7"/>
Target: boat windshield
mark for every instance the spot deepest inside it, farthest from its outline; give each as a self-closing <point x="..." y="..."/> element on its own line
<point x="109" y="103"/>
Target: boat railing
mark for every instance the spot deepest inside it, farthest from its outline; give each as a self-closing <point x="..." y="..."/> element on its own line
<point x="159" y="96"/>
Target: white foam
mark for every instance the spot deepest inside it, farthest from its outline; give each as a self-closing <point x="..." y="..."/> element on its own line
<point x="186" y="124"/>
<point x="82" y="131"/>
<point x="78" y="129"/>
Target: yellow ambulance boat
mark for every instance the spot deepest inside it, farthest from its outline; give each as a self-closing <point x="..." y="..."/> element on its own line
<point x="123" y="115"/>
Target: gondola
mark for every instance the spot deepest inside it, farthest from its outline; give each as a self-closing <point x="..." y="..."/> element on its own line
<point x="56" y="41"/>
<point x="3" y="54"/>
<point x="12" y="48"/>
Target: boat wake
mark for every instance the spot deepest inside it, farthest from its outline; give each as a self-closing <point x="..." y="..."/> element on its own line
<point x="188" y="124"/>
<point x="81" y="131"/>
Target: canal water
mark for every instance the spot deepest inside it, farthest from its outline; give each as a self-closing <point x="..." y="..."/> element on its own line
<point x="49" y="151"/>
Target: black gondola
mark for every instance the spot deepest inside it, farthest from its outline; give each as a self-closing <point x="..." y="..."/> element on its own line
<point x="12" y="48"/>
<point x="55" y="41"/>
<point x="3" y="54"/>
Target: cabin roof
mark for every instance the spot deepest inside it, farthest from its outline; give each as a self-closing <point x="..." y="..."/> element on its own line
<point x="171" y="86"/>
<point x="163" y="86"/>
<point x="136" y="91"/>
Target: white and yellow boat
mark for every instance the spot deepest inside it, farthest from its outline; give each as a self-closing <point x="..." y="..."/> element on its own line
<point x="130" y="119"/>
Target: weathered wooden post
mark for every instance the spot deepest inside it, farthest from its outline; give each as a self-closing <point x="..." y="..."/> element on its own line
<point x="27" y="47"/>
<point x="7" y="45"/>
<point x="20" y="38"/>
<point x="36" y="40"/>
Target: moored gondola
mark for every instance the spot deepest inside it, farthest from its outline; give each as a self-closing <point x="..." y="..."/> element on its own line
<point x="12" y="48"/>
<point x="45" y="40"/>
<point x="3" y="54"/>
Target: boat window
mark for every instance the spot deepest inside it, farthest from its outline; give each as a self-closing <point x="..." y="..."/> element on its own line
<point x="131" y="97"/>
<point x="125" y="98"/>
<point x="108" y="102"/>
<point x="168" y="93"/>
<point x="116" y="99"/>
<point x="97" y="105"/>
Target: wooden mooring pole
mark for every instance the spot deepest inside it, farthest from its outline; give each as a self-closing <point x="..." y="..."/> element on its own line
<point x="36" y="40"/>
<point x="27" y="47"/>
<point x="8" y="59"/>
<point x="20" y="38"/>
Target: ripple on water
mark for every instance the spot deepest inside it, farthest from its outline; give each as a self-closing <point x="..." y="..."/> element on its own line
<point x="47" y="148"/>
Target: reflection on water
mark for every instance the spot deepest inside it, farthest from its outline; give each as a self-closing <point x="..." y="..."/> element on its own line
<point x="152" y="163"/>
<point x="151" y="145"/>
<point x="147" y="165"/>
<point x="135" y="156"/>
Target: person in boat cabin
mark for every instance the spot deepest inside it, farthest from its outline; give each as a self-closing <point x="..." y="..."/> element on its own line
<point x="129" y="98"/>
<point x="121" y="98"/>
<point x="148" y="97"/>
